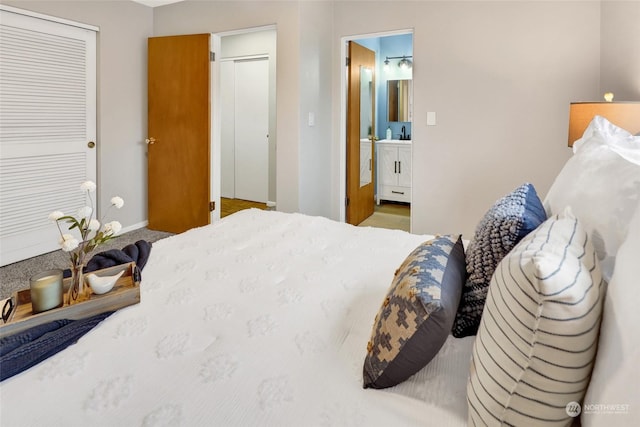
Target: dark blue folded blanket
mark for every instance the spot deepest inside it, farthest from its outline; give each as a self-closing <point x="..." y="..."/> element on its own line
<point x="137" y="252"/>
<point x="25" y="349"/>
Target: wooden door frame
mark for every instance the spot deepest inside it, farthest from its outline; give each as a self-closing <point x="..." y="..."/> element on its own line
<point x="344" y="53"/>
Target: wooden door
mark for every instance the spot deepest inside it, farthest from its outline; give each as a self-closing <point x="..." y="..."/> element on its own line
<point x="179" y="124"/>
<point x="360" y="194"/>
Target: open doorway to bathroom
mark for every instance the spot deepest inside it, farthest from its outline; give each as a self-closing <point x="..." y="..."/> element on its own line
<point x="391" y="130"/>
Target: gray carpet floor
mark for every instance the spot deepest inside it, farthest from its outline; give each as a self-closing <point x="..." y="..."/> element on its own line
<point x="15" y="277"/>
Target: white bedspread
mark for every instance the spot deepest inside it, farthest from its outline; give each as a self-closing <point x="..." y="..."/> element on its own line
<point x="261" y="319"/>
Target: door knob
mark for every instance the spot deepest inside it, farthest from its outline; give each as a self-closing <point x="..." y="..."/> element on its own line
<point x="151" y="140"/>
<point x="91" y="144"/>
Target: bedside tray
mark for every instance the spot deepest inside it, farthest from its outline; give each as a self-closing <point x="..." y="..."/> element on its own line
<point x="19" y="315"/>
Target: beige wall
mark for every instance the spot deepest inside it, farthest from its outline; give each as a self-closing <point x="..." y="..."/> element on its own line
<point x="620" y="49"/>
<point x="500" y="76"/>
<point x="316" y="145"/>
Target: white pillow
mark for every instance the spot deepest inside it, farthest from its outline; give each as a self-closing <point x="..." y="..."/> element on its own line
<point x="612" y="397"/>
<point x="535" y="347"/>
<point x="601" y="183"/>
<point x="618" y="139"/>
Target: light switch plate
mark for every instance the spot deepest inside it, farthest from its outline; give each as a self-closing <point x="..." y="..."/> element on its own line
<point x="431" y="118"/>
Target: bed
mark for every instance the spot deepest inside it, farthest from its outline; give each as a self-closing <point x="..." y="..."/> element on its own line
<point x="265" y="318"/>
<point x="260" y="319"/>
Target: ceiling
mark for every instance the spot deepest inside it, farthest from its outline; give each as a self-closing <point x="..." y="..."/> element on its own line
<point x="154" y="3"/>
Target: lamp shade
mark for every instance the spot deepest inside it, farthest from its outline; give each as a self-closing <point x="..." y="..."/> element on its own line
<point x="622" y="114"/>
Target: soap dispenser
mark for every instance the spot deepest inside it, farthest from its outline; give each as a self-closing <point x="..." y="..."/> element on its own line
<point x="388" y="132"/>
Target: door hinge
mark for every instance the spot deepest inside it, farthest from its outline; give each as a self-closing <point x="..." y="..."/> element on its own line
<point x="212" y="56"/>
<point x="346" y="201"/>
<point x="347" y="61"/>
<point x="212" y="206"/>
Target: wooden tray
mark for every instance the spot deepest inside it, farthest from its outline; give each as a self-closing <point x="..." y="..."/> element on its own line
<point x="19" y="314"/>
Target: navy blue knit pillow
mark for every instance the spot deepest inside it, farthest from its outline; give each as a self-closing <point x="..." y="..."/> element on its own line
<point x="505" y="224"/>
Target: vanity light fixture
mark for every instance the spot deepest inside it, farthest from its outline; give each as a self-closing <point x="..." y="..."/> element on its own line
<point x="405" y="63"/>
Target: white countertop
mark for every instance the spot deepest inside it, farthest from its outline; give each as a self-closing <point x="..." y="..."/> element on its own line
<point x="395" y="141"/>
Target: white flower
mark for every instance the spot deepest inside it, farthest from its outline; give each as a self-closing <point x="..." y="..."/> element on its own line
<point x="68" y="242"/>
<point x="117" y="202"/>
<point x="55" y="215"/>
<point x="89" y="186"/>
<point x="94" y="225"/>
<point x="112" y="227"/>
<point x="85" y="212"/>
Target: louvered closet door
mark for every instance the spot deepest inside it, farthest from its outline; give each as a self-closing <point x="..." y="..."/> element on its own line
<point x="47" y="118"/>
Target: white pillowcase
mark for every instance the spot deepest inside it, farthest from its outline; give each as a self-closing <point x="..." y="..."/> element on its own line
<point x="601" y="183"/>
<point x="534" y="351"/>
<point x="612" y="397"/>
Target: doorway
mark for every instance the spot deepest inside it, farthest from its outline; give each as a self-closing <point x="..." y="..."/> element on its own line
<point x="245" y="128"/>
<point x="392" y="186"/>
<point x="246" y="99"/>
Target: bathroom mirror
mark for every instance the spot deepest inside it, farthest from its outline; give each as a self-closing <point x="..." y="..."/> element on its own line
<point x="366" y="125"/>
<point x="398" y="100"/>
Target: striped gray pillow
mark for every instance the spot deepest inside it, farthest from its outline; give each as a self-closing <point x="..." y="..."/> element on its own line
<point x="537" y="340"/>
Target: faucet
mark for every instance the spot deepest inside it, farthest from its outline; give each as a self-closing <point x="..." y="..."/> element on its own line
<point x="404" y="134"/>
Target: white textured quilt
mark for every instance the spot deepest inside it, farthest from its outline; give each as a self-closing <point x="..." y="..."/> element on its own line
<point x="261" y="319"/>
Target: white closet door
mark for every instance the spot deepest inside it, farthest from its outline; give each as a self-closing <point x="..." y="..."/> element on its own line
<point x="227" y="129"/>
<point x="252" y="129"/>
<point x="47" y="118"/>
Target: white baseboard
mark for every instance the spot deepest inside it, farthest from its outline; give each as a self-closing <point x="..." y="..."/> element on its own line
<point x="134" y="227"/>
<point x="271" y="204"/>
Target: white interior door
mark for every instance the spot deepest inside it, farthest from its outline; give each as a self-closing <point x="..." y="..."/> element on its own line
<point x="227" y="129"/>
<point x="251" y="119"/>
<point x="47" y="120"/>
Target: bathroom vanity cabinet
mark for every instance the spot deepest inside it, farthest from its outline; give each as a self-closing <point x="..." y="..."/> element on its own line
<point x="393" y="170"/>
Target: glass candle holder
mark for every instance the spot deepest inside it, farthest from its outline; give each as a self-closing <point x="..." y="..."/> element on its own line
<point x="46" y="290"/>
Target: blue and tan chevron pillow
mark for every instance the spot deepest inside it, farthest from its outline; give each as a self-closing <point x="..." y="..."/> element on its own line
<point x="416" y="315"/>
